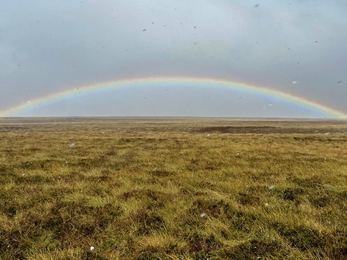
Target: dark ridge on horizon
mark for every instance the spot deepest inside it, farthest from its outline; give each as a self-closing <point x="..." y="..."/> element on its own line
<point x="189" y="125"/>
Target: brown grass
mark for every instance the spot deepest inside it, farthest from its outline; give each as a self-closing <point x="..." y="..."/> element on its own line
<point x="173" y="189"/>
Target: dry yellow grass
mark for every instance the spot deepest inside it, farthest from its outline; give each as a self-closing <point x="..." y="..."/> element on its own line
<point x="173" y="189"/>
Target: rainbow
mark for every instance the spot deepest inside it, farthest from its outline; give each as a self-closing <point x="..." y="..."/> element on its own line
<point x="152" y="81"/>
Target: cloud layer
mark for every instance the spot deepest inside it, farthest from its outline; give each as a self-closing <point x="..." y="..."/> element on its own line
<point x="47" y="46"/>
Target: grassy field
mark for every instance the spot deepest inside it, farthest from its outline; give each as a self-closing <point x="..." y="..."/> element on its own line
<point x="172" y="189"/>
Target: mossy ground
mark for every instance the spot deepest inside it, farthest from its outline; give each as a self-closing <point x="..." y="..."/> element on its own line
<point x="169" y="190"/>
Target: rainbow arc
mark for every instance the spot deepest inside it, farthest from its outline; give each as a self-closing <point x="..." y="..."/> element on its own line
<point x="151" y="81"/>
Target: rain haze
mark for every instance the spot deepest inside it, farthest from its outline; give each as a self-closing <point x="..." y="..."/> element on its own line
<point x="295" y="47"/>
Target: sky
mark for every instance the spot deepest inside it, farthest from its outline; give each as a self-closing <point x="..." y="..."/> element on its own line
<point x="295" y="47"/>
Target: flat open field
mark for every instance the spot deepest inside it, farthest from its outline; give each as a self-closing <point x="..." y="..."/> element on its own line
<point x="172" y="188"/>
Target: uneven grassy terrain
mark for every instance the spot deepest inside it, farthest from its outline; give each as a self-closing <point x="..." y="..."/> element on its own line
<point x="172" y="189"/>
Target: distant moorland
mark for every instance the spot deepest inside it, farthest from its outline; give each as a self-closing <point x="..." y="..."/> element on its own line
<point x="172" y="188"/>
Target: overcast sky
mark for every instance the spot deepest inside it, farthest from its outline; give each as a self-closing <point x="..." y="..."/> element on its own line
<point x="51" y="46"/>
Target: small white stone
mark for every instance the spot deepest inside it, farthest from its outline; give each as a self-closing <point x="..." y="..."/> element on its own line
<point x="266" y="204"/>
<point x="91" y="248"/>
<point x="202" y="215"/>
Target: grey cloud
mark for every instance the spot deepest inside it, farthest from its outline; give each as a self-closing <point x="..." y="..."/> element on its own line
<point x="47" y="46"/>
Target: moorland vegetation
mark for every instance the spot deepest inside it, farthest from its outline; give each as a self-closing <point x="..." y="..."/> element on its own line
<point x="173" y="189"/>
